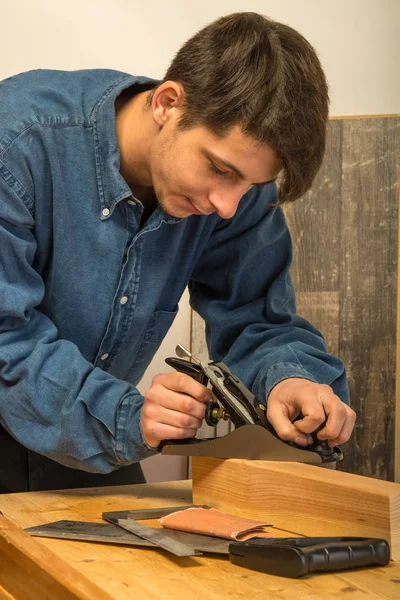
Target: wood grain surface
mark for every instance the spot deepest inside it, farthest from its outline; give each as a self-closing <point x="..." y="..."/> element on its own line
<point x="126" y="573"/>
<point x="50" y="577"/>
<point x="4" y="595"/>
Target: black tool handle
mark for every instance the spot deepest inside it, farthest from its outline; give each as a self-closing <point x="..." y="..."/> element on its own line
<point x="294" y="558"/>
<point x="321" y="447"/>
<point x="350" y="555"/>
<point x="195" y="372"/>
<point x="192" y="369"/>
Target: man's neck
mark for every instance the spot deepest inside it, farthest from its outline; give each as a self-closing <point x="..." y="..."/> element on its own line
<point x="135" y="127"/>
<point x="148" y="198"/>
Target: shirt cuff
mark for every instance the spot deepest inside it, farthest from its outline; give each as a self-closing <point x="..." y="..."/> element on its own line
<point x="130" y="445"/>
<point x="278" y="373"/>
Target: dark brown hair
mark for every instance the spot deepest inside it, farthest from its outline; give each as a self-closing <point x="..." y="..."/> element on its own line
<point x="245" y="69"/>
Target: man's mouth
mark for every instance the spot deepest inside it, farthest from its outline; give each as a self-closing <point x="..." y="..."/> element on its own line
<point x="194" y="208"/>
<point x="197" y="211"/>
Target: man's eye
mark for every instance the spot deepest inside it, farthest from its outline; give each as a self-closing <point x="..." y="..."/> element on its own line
<point x="215" y="169"/>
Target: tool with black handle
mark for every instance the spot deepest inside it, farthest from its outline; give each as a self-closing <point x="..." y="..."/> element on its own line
<point x="295" y="557"/>
<point x="234" y="401"/>
<point x="286" y="557"/>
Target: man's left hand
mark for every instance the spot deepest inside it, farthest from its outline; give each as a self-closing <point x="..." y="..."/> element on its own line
<point x="316" y="402"/>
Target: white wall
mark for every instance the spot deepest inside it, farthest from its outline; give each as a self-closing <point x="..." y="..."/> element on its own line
<point x="358" y="42"/>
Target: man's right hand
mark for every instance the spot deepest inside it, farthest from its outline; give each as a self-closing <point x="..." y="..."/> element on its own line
<point x="174" y="407"/>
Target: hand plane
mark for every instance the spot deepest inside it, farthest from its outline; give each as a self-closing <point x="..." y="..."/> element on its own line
<point x="253" y="436"/>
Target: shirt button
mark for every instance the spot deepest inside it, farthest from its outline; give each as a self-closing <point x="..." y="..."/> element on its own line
<point x="105" y="212"/>
<point x="104" y="356"/>
<point x="132" y="202"/>
<point x="124" y="300"/>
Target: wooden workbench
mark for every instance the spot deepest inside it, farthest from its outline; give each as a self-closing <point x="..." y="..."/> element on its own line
<point x="124" y="573"/>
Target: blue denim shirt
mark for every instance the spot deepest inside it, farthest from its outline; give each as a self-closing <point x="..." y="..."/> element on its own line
<point x="87" y="294"/>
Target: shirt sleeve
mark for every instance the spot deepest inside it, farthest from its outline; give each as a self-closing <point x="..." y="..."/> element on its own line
<point x="242" y="288"/>
<point x="52" y="400"/>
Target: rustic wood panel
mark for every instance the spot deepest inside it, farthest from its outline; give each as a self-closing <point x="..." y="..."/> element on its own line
<point x="397" y="409"/>
<point x="314" y="222"/>
<point x="369" y="211"/>
<point x="345" y="239"/>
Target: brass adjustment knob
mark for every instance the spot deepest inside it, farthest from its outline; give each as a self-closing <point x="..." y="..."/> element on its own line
<point x="215" y="412"/>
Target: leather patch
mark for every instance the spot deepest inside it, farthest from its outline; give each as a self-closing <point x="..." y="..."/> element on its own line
<point x="210" y="521"/>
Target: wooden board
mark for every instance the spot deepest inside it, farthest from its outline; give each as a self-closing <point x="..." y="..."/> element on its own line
<point x="4" y="595"/>
<point x="50" y="577"/>
<point x="323" y="501"/>
<point x="126" y="573"/>
<point x="345" y="238"/>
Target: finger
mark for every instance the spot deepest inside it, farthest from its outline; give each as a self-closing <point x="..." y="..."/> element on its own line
<point x="337" y="414"/>
<point x="312" y="408"/>
<point x="157" y="432"/>
<point x="166" y="432"/>
<point x="346" y="430"/>
<point x="180" y="382"/>
<point x="281" y="422"/>
<point x="159" y="414"/>
<point x="181" y="403"/>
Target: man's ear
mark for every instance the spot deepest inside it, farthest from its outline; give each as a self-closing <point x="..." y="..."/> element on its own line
<point x="167" y="98"/>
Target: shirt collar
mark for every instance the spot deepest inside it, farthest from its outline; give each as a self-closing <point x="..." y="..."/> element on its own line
<point x="112" y="186"/>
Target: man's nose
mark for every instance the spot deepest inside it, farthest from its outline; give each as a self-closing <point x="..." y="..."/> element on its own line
<point x="226" y="202"/>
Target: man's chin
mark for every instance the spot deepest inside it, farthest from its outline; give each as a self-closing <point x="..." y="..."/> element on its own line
<point x="177" y="206"/>
<point x="173" y="211"/>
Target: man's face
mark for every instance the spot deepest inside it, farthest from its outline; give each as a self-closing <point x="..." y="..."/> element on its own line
<point x="195" y="172"/>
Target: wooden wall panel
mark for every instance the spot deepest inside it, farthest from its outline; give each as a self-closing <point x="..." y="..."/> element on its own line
<point x="345" y="239"/>
<point x="365" y="248"/>
<point x="314" y="222"/>
<point x="368" y="288"/>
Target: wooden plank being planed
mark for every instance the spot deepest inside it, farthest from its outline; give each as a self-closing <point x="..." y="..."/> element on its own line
<point x="324" y="501"/>
<point x="4" y="595"/>
<point x="30" y="571"/>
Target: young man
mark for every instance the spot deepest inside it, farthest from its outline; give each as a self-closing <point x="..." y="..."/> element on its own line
<point x="116" y="193"/>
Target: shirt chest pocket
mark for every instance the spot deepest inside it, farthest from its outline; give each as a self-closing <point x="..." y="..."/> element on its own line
<point x="156" y="331"/>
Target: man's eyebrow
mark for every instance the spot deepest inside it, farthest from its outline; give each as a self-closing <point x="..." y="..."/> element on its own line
<point x="214" y="157"/>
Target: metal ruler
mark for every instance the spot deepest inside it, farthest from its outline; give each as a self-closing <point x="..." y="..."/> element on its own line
<point x="147" y="513"/>
<point x="179" y="543"/>
<point x="112" y="534"/>
<point x="159" y="537"/>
